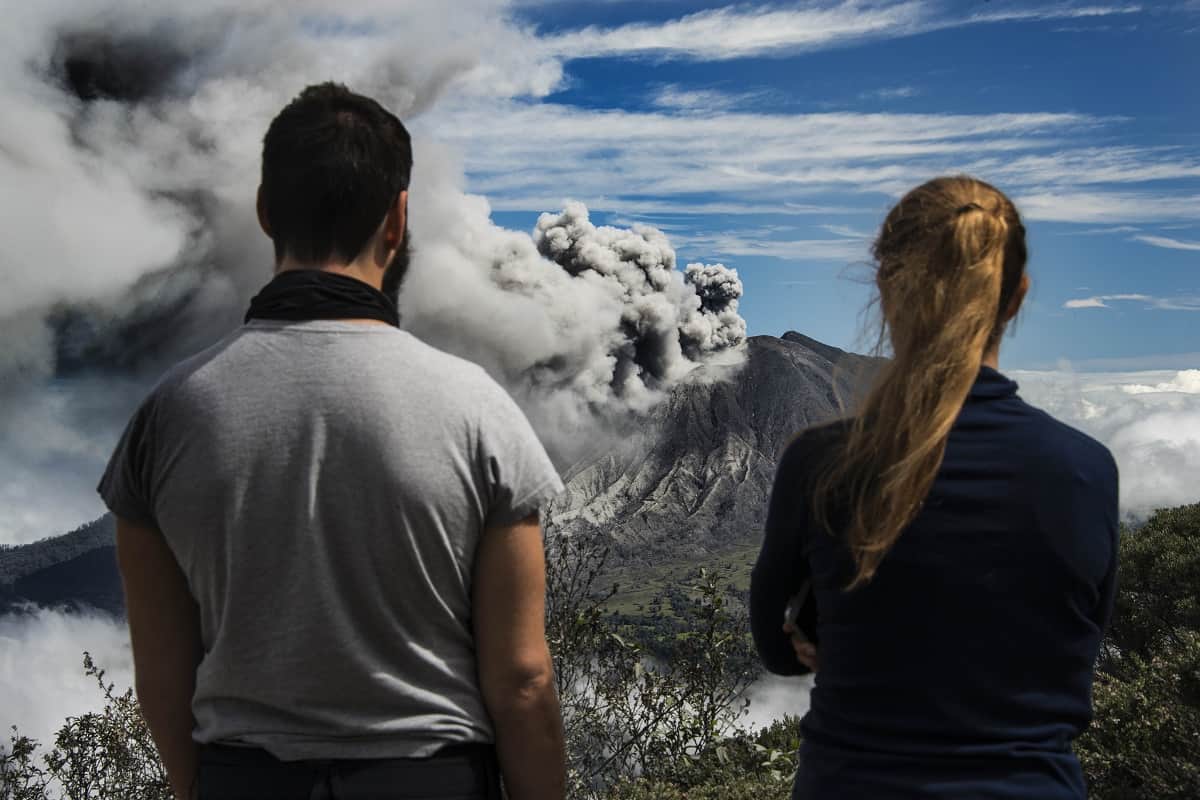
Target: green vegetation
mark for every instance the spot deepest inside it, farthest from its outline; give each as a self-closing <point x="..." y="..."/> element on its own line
<point x="1145" y="742"/>
<point x="640" y="586"/>
<point x="658" y="720"/>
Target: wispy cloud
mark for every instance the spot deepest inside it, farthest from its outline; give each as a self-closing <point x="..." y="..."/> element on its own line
<point x="685" y="159"/>
<point x="847" y="231"/>
<point x="728" y="33"/>
<point x="1107" y="230"/>
<point x="1184" y="303"/>
<point x="683" y="99"/>
<point x="1167" y="242"/>
<point x="1065" y="204"/>
<point x="838" y="251"/>
<point x="892" y="93"/>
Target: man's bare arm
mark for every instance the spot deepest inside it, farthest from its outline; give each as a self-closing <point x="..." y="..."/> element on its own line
<point x="164" y="627"/>
<point x="515" y="671"/>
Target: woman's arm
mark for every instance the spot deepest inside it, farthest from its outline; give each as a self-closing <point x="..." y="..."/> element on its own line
<point x="781" y="568"/>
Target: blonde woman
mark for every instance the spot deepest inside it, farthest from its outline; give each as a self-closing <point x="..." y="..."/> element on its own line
<point x="956" y="547"/>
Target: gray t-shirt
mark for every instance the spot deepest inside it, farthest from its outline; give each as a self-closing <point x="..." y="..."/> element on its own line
<point x="324" y="486"/>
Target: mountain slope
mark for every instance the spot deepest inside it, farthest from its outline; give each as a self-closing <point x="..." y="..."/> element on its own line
<point x="697" y="478"/>
<point x="77" y="568"/>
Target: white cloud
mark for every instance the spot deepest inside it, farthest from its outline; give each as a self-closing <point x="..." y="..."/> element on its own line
<point x="1068" y="204"/>
<point x="678" y="98"/>
<point x="727" y="33"/>
<point x="1181" y="303"/>
<point x="41" y="668"/>
<point x="848" y="232"/>
<point x="841" y="251"/>
<point x="893" y="93"/>
<point x="1104" y="231"/>
<point x="1185" y="382"/>
<point x="674" y="160"/>
<point x="1091" y="165"/>
<point x="1087" y="302"/>
<point x="738" y="32"/>
<point x="742" y="157"/>
<point x="55" y="438"/>
<point x="1168" y="243"/>
<point x="773" y="697"/>
<point x="1149" y="420"/>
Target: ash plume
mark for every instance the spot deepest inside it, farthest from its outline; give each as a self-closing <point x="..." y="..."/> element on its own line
<point x="670" y="320"/>
<point x="129" y="151"/>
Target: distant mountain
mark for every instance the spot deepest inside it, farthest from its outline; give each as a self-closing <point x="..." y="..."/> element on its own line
<point x="693" y="480"/>
<point x="697" y="479"/>
<point x="77" y="568"/>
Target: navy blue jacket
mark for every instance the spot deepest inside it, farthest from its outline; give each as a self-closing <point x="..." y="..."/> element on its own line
<point x="964" y="669"/>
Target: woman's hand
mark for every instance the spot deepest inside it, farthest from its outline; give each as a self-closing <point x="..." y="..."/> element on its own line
<point x="806" y="651"/>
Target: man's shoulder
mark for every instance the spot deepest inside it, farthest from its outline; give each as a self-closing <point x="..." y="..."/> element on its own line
<point x="448" y="375"/>
<point x="453" y="366"/>
<point x="186" y="373"/>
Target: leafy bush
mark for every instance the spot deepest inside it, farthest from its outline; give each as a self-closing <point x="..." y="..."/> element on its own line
<point x="627" y="713"/>
<point x="1145" y="742"/>
<point x="98" y="756"/>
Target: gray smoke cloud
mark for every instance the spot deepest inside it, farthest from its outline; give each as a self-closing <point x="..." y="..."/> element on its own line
<point x="669" y="320"/>
<point x="129" y="152"/>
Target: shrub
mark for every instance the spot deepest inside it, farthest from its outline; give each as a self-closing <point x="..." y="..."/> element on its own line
<point x="1145" y="742"/>
<point x="99" y="756"/>
<point x="628" y="714"/>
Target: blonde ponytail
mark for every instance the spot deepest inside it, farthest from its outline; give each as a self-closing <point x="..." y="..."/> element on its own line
<point x="950" y="256"/>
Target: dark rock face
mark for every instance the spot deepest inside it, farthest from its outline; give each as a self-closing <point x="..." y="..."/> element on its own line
<point x="698" y="475"/>
<point x="692" y="479"/>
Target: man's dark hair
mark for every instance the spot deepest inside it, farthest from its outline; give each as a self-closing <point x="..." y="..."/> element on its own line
<point x="333" y="164"/>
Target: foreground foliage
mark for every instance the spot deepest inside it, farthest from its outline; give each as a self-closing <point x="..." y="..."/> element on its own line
<point x="99" y="756"/>
<point x="628" y="712"/>
<point x="1145" y="742"/>
<point x="661" y="723"/>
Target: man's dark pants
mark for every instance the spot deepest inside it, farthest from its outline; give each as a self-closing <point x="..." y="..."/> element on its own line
<point x="460" y="772"/>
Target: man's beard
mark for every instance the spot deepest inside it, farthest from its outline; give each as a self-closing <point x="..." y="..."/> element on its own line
<point x="393" y="276"/>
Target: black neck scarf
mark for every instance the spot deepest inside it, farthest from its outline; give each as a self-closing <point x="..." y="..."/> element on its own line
<point x="306" y="294"/>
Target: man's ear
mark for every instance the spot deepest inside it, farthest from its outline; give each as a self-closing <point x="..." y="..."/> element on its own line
<point x="1014" y="306"/>
<point x="394" y="224"/>
<point x="260" y="204"/>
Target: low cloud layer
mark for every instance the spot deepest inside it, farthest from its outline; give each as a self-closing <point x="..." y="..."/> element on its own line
<point x="1149" y="420"/>
<point x="42" y="681"/>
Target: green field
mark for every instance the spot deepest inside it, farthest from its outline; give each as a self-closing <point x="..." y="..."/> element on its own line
<point x="639" y="585"/>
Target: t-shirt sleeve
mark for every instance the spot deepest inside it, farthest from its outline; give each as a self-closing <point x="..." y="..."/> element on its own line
<point x="518" y="475"/>
<point x="127" y="482"/>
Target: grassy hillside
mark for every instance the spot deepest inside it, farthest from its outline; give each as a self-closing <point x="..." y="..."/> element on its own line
<point x="639" y="585"/>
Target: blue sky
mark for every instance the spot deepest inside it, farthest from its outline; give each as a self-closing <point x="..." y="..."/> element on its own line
<point x="774" y="137"/>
